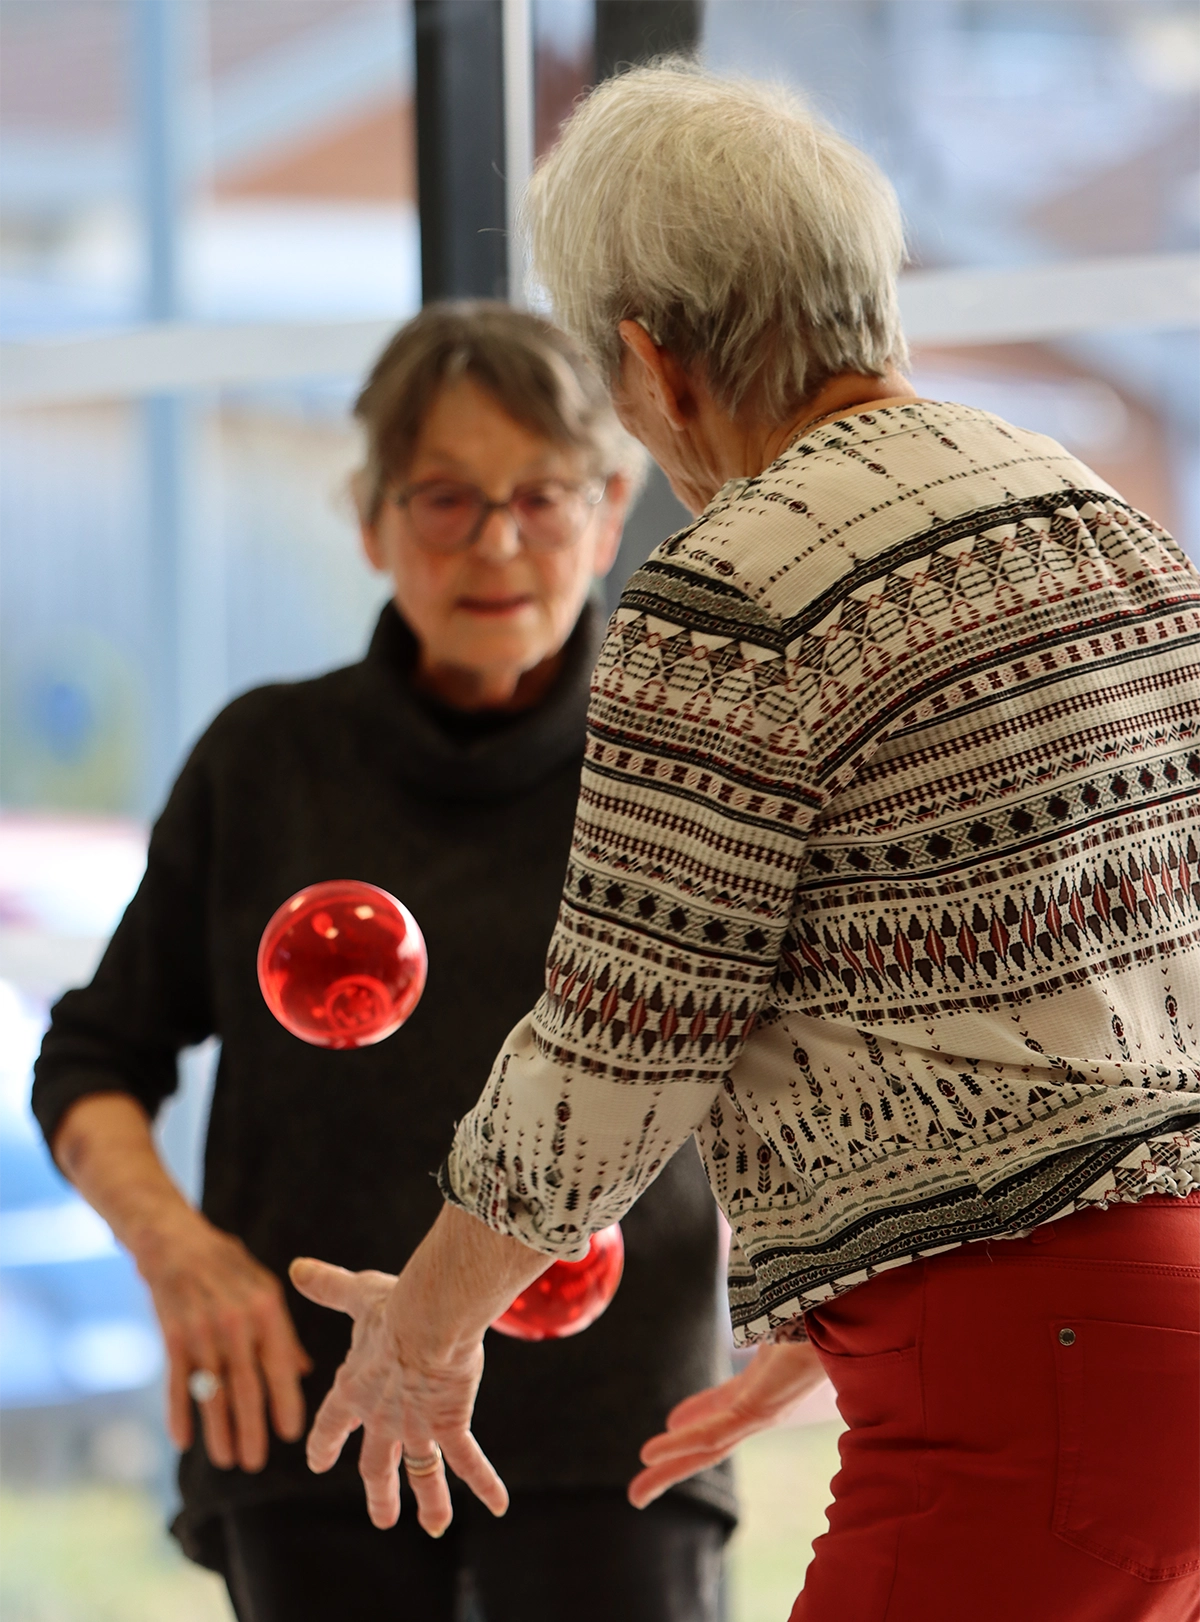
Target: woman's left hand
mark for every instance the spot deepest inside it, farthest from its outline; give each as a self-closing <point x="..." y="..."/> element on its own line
<point x="411" y="1399"/>
<point x="705" y="1428"/>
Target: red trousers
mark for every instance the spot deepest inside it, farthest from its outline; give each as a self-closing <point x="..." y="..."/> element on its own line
<point x="1024" y="1430"/>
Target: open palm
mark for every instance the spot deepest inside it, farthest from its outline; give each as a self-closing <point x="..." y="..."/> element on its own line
<point x="705" y="1428"/>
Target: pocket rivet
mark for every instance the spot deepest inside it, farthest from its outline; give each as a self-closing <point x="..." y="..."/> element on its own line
<point x="1066" y="1337"/>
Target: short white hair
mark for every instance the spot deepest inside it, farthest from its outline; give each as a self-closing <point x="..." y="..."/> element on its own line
<point x="746" y="236"/>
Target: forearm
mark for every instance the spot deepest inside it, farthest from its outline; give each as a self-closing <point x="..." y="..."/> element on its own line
<point x="460" y="1278"/>
<point x="105" y="1147"/>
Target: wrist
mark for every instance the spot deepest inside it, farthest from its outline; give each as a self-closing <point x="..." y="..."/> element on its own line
<point x="460" y="1278"/>
<point x="161" y="1231"/>
<point x="422" y="1332"/>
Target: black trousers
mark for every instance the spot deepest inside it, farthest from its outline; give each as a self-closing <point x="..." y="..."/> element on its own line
<point x="555" y="1557"/>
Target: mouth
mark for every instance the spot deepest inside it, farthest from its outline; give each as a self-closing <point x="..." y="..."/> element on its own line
<point x="495" y="607"/>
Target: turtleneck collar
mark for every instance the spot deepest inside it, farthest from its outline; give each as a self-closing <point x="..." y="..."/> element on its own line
<point x="506" y="761"/>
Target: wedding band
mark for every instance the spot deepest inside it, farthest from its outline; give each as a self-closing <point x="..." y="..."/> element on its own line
<point x="203" y="1385"/>
<point x="425" y="1466"/>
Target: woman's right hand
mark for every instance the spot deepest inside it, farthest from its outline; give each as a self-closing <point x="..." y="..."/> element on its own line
<point x="223" y="1311"/>
<point x="219" y="1309"/>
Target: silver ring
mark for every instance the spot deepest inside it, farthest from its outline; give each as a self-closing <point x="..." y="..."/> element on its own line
<point x="203" y="1385"/>
<point x="425" y="1466"/>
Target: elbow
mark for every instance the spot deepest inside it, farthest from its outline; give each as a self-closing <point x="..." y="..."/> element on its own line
<point x="88" y="1123"/>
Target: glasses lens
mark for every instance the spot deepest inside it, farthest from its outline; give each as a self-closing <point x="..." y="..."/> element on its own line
<point x="550" y="515"/>
<point x="444" y="514"/>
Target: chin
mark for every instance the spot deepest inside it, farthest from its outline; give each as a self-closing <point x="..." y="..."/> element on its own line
<point x="496" y="645"/>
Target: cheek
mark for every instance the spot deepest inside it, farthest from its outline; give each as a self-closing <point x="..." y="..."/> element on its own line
<point x="425" y="587"/>
<point x="564" y="579"/>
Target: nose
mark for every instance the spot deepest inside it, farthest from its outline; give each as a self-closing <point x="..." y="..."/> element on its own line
<point x="498" y="540"/>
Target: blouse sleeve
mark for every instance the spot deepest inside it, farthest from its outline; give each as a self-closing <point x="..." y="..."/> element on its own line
<point x="696" y="796"/>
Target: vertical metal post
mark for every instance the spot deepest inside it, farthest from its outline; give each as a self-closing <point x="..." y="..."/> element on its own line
<point x="461" y="148"/>
<point x="631" y="31"/>
<point x="518" y="132"/>
<point x="160" y="74"/>
<point x="187" y="584"/>
<point x="161" y="51"/>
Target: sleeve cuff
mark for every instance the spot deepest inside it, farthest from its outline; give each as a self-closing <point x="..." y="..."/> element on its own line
<point x="484" y="1194"/>
<point x="448" y="1191"/>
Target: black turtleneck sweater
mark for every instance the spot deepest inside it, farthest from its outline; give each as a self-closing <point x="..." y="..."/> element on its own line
<point x="333" y="1154"/>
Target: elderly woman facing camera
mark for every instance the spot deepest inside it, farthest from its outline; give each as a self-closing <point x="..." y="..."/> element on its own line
<point x="884" y="885"/>
<point x="444" y="767"/>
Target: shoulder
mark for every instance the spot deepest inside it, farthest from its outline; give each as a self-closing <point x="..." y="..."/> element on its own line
<point x="263" y="747"/>
<point x="847" y="506"/>
<point x="276" y="712"/>
<point x="256" y="740"/>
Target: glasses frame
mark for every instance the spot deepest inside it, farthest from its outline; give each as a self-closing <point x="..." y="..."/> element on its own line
<point x="592" y="490"/>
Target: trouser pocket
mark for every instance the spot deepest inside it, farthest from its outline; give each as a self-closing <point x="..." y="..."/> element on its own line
<point x="1128" y="1483"/>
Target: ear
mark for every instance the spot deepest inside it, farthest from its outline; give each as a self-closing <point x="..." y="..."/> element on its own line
<point x="611" y="519"/>
<point x="657" y="375"/>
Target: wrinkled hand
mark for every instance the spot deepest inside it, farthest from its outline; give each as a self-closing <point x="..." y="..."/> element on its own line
<point x="408" y="1399"/>
<point x="705" y="1428"/>
<point x="220" y="1309"/>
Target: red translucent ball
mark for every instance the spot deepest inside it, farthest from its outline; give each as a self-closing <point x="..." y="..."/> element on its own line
<point x="342" y="964"/>
<point x="569" y="1295"/>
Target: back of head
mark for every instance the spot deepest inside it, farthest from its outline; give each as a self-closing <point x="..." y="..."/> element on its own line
<point x="533" y="371"/>
<point x="746" y="236"/>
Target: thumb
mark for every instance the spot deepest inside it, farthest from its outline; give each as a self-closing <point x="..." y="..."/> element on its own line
<point x="327" y="1285"/>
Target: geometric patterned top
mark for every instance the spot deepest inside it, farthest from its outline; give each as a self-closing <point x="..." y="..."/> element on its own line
<point x="886" y="872"/>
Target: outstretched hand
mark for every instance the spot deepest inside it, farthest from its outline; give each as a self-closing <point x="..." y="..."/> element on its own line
<point x="415" y="1358"/>
<point x="409" y="1402"/>
<point x="705" y="1428"/>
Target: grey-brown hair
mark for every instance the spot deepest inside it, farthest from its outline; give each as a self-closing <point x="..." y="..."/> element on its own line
<point x="747" y="237"/>
<point x="533" y="371"/>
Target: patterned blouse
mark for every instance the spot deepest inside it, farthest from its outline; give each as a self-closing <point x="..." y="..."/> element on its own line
<point x="885" y="879"/>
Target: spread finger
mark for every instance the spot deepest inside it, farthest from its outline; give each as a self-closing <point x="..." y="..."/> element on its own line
<point x="378" y="1465"/>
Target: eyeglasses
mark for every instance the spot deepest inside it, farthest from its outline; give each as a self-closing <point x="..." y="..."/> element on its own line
<point x="448" y="517"/>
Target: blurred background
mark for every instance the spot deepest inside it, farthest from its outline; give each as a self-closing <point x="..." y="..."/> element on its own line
<point x="212" y="212"/>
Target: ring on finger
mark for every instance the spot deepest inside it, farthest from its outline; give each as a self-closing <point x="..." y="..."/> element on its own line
<point x="423" y="1466"/>
<point x="203" y="1385"/>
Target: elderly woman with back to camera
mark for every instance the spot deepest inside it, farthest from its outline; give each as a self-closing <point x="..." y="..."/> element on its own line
<point x="444" y="767"/>
<point x="884" y="884"/>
